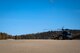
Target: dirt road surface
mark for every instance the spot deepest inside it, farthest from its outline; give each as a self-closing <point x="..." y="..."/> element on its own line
<point x="39" y="46"/>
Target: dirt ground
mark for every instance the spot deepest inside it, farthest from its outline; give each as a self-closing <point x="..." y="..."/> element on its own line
<point x="39" y="46"/>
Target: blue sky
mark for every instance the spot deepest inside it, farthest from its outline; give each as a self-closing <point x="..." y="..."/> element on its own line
<point x="32" y="16"/>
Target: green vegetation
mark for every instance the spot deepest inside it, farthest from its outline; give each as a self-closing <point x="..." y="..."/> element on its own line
<point x="43" y="35"/>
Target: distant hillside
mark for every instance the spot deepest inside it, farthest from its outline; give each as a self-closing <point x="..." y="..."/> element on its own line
<point x="5" y="36"/>
<point x="42" y="35"/>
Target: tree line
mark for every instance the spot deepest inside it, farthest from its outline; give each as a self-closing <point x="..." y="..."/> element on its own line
<point x="42" y="35"/>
